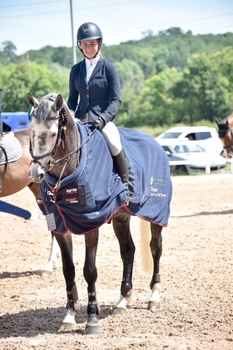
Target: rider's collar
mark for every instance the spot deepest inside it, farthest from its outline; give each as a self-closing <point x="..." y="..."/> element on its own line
<point x="92" y="61"/>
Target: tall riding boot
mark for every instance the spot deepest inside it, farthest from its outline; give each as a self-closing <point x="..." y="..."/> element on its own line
<point x="122" y="168"/>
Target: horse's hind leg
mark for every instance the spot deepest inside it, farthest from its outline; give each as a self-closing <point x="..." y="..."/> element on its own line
<point x="156" y="251"/>
<point x="121" y="225"/>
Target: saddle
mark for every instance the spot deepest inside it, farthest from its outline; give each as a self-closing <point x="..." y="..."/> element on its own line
<point x="10" y="147"/>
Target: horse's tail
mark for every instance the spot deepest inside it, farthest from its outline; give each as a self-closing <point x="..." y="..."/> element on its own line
<point x="146" y="257"/>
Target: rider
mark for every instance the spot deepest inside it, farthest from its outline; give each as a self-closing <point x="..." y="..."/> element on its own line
<point x="95" y="94"/>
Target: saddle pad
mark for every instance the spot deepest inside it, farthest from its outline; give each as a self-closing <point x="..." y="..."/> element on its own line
<point x="10" y="145"/>
<point x="91" y="195"/>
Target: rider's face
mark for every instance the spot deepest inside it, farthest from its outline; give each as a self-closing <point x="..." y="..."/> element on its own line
<point x="90" y="48"/>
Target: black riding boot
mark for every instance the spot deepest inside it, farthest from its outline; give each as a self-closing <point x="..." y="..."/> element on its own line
<point x="122" y="168"/>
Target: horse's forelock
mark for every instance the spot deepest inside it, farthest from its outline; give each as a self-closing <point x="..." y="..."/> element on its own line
<point x="44" y="109"/>
<point x="51" y="96"/>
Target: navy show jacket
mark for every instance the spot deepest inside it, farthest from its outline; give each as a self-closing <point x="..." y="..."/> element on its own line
<point x="101" y="95"/>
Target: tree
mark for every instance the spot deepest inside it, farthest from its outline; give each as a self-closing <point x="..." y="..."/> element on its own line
<point x="9" y="49"/>
<point x="223" y="60"/>
<point x="146" y="33"/>
<point x="132" y="80"/>
<point x="17" y="80"/>
<point x="157" y="106"/>
<point x="203" y="89"/>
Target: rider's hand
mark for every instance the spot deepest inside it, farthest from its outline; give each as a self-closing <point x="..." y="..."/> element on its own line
<point x="99" y="123"/>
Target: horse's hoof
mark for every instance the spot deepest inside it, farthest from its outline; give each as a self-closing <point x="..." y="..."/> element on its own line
<point x="67" y="327"/>
<point x="92" y="325"/>
<point x="92" y="330"/>
<point x="153" y="306"/>
<point x="120" y="311"/>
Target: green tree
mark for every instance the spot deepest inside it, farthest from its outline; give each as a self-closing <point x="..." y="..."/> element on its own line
<point x="9" y="50"/>
<point x="132" y="80"/>
<point x="156" y="104"/>
<point x="17" y="80"/>
<point x="203" y="89"/>
<point x="223" y="61"/>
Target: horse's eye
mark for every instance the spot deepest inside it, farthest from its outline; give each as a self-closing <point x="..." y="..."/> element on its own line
<point x="54" y="134"/>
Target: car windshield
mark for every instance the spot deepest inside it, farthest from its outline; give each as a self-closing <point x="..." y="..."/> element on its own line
<point x="188" y="148"/>
<point x="171" y="135"/>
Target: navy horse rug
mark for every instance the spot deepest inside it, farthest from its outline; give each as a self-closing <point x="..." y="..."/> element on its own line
<point x="91" y="195"/>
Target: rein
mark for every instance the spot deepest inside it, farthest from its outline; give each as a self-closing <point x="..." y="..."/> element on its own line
<point x="60" y="140"/>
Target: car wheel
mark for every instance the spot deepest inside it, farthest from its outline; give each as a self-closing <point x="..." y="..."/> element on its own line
<point x="181" y="170"/>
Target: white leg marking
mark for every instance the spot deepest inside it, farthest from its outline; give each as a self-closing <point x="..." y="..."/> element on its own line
<point x="70" y="317"/>
<point x="155" y="296"/>
<point x="122" y="302"/>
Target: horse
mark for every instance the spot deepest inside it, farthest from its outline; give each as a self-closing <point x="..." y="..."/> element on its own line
<point x="81" y="191"/>
<point x="14" y="177"/>
<point x="225" y="132"/>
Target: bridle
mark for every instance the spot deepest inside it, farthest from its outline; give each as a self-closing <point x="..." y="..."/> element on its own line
<point x="60" y="140"/>
<point x="222" y="133"/>
<point x="62" y="118"/>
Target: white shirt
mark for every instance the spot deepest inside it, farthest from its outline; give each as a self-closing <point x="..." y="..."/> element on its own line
<point x="90" y="66"/>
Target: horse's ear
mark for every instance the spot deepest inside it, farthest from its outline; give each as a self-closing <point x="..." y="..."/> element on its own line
<point x="58" y="103"/>
<point x="32" y="100"/>
<point x="217" y="121"/>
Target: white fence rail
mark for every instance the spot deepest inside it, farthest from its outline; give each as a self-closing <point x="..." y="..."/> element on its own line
<point x="207" y="166"/>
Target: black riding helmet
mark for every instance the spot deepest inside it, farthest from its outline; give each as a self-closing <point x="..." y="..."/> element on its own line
<point x="89" y="31"/>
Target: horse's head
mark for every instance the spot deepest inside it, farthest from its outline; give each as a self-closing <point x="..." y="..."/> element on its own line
<point x="45" y="132"/>
<point x="225" y="133"/>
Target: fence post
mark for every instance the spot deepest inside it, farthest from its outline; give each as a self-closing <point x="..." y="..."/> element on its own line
<point x="207" y="153"/>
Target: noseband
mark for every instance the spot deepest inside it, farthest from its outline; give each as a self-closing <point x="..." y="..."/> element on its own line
<point x="222" y="133"/>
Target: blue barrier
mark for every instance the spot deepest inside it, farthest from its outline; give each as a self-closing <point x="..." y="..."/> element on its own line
<point x="16" y="120"/>
<point x="14" y="210"/>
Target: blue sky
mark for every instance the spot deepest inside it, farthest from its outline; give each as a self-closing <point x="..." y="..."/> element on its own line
<point x="33" y="24"/>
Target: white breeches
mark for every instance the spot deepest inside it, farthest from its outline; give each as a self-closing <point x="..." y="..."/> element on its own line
<point x="112" y="137"/>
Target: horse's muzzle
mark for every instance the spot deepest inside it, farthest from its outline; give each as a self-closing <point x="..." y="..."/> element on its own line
<point x="36" y="174"/>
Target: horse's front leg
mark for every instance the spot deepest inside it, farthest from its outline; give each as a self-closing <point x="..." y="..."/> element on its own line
<point x="156" y="251"/>
<point x="121" y="225"/>
<point x="90" y="275"/>
<point x="66" y="246"/>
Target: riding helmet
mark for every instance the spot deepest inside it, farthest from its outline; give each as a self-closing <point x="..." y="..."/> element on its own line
<point x="89" y="31"/>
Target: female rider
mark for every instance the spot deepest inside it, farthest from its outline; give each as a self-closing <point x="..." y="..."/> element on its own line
<point x="95" y="95"/>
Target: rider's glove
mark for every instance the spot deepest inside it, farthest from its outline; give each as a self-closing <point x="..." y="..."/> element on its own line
<point x="99" y="123"/>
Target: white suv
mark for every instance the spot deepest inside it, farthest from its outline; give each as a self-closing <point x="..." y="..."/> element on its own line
<point x="205" y="136"/>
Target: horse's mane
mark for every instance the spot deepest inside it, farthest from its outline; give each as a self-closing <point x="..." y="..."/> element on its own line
<point x="229" y="118"/>
<point x="51" y="95"/>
